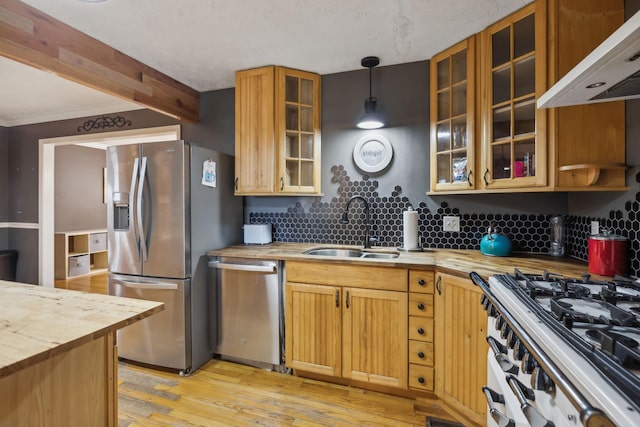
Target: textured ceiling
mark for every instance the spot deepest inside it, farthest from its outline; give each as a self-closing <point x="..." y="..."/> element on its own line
<point x="203" y="42"/>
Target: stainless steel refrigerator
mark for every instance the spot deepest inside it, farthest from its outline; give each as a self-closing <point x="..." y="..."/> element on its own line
<point x="162" y="219"/>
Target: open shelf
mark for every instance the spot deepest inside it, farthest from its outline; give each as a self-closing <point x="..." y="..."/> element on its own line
<point x="79" y="253"/>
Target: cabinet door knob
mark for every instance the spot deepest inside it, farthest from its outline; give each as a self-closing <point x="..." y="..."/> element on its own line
<point x="421" y="331"/>
<point x="421" y="306"/>
<point x="421" y="282"/>
<point x="421" y="380"/>
<point x="421" y="355"/>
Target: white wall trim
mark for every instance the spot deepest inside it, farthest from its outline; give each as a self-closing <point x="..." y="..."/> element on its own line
<point x="29" y="225"/>
<point x="47" y="186"/>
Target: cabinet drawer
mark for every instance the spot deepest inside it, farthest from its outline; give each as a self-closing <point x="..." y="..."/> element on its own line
<point x="97" y="242"/>
<point x="78" y="265"/>
<point x="421" y="352"/>
<point x="421" y="377"/>
<point x="421" y="281"/>
<point x="421" y="328"/>
<point x="421" y="305"/>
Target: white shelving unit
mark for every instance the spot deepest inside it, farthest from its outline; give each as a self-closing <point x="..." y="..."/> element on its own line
<point x="78" y="253"/>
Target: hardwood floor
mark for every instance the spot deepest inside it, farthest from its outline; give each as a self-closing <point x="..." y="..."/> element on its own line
<point x="94" y="283"/>
<point x="223" y="393"/>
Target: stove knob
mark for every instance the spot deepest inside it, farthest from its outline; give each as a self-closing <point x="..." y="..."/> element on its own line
<point x="504" y="331"/>
<point x="492" y="311"/>
<point x="528" y="363"/>
<point x="541" y="381"/>
<point x="499" y="322"/>
<point x="518" y="350"/>
<point x="511" y="339"/>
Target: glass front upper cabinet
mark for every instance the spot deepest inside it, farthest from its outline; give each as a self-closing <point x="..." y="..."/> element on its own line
<point x="514" y="139"/>
<point x="299" y="167"/>
<point x="452" y="118"/>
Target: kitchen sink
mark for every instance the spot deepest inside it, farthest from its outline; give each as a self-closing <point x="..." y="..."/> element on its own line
<point x="349" y="253"/>
<point x="379" y="255"/>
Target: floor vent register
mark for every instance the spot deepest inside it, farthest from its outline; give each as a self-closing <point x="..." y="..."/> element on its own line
<point x="437" y="422"/>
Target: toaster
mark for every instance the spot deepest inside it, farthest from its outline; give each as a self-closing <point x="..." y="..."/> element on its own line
<point x="257" y="234"/>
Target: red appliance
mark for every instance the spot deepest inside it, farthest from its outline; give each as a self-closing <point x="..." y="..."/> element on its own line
<point x="607" y="254"/>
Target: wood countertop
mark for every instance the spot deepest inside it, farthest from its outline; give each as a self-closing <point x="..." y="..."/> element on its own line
<point x="37" y="323"/>
<point x="458" y="262"/>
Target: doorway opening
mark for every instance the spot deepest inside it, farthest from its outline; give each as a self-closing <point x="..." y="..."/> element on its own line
<point x="46" y="185"/>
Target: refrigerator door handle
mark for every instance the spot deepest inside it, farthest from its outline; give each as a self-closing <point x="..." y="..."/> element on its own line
<point x="147" y="285"/>
<point x="141" y="183"/>
<point x="269" y="268"/>
<point x="132" y="193"/>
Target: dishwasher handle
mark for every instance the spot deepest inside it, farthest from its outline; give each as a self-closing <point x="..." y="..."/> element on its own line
<point x="267" y="268"/>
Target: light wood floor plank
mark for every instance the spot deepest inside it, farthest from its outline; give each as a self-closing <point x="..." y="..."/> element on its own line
<point x="223" y="394"/>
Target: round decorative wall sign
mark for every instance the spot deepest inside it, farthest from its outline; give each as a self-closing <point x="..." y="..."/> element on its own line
<point x="372" y="153"/>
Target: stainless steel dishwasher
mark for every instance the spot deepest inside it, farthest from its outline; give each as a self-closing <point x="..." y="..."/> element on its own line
<point x="247" y="324"/>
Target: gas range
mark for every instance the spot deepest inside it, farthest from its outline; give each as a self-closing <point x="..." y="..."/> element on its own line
<point x="563" y="351"/>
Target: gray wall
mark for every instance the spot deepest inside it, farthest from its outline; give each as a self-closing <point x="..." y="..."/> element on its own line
<point x="4" y="186"/>
<point x="79" y="188"/>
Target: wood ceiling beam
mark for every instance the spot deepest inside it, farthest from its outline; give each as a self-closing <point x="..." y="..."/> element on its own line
<point x="36" y="39"/>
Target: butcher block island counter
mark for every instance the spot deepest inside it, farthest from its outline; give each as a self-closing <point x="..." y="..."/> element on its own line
<point x="58" y="363"/>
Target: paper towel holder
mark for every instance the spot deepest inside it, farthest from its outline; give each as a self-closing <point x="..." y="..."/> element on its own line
<point x="418" y="248"/>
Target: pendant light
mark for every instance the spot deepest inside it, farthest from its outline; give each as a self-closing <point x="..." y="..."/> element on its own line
<point x="371" y="119"/>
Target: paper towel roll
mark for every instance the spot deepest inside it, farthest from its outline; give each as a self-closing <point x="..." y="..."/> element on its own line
<point x="410" y="229"/>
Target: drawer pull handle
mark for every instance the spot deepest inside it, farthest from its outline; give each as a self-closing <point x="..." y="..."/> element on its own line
<point x="421" y="306"/>
<point x="347" y="302"/>
<point x="438" y="285"/>
<point x="421" y="331"/>
<point x="469" y="178"/>
<point x="421" y="282"/>
<point x="484" y="177"/>
<point x="337" y="299"/>
<point x="235" y="183"/>
<point x="421" y="380"/>
<point x="421" y="355"/>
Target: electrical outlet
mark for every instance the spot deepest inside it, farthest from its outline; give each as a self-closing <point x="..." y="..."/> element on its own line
<point x="451" y="223"/>
<point x="595" y="227"/>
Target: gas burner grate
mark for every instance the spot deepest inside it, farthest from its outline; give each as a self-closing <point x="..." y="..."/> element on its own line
<point x="570" y="310"/>
<point x="622" y="347"/>
<point x="437" y="422"/>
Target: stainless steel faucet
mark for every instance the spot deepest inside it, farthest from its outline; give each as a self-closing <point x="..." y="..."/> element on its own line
<point x="367" y="226"/>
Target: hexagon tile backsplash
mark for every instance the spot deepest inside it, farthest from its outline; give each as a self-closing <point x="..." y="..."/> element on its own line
<point x="528" y="232"/>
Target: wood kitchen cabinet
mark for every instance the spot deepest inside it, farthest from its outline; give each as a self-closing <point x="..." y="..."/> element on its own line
<point x="519" y="147"/>
<point x="460" y="345"/>
<point x="277" y="136"/>
<point x="452" y="118"/>
<point x="347" y="321"/>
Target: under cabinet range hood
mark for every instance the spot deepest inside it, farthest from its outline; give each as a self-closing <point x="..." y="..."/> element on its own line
<point x="611" y="72"/>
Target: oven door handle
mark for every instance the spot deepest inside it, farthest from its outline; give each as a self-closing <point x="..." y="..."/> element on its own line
<point x="499" y="417"/>
<point x="524" y="395"/>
